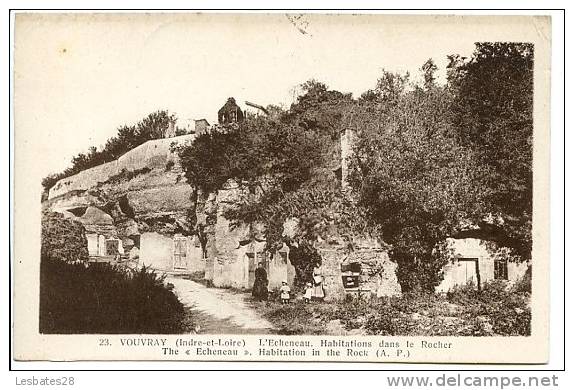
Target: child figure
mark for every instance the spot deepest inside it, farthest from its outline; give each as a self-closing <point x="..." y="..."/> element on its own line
<point x="285" y="293"/>
<point x="308" y="293"/>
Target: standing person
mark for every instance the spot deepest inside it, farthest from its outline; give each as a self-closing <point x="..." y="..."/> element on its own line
<point x="285" y="292"/>
<point x="260" y="291"/>
<point x="318" y="291"/>
<point x="308" y="293"/>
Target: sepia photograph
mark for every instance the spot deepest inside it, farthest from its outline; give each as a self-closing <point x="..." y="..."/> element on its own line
<point x="340" y="180"/>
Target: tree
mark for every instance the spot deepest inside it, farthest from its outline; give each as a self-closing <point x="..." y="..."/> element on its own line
<point x="412" y="176"/>
<point x="263" y="154"/>
<point x="319" y="109"/>
<point x="390" y="86"/>
<point x="433" y="162"/>
<point x="493" y="100"/>
<point x="153" y="126"/>
<point x="278" y="158"/>
<point x="429" y="69"/>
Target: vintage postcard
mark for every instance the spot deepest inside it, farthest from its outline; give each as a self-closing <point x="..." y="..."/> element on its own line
<point x="281" y="187"/>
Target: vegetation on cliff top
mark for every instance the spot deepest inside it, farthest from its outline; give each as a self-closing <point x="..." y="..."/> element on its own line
<point x="428" y="160"/>
<point x="151" y="127"/>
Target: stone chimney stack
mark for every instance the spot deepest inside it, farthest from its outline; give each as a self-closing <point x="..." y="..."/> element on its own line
<point x="170" y="132"/>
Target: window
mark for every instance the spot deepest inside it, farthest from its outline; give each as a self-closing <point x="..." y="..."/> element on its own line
<point x="501" y="269"/>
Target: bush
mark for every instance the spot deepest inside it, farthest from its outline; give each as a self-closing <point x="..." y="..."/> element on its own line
<point x="304" y="258"/>
<point x="63" y="239"/>
<point x="505" y="309"/>
<point x="294" y="318"/>
<point x="100" y="298"/>
<point x="383" y="322"/>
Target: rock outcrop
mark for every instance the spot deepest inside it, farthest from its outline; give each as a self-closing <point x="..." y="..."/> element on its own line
<point x="144" y="190"/>
<point x="143" y="202"/>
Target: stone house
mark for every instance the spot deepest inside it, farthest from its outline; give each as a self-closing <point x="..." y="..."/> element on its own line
<point x="473" y="262"/>
<point x="101" y="234"/>
<point x="171" y="253"/>
<point x="201" y="126"/>
<point x="234" y="251"/>
<point x="239" y="272"/>
<point x="230" y="112"/>
<point x="232" y="268"/>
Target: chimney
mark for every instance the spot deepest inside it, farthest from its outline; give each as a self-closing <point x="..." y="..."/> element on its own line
<point x="170" y="132"/>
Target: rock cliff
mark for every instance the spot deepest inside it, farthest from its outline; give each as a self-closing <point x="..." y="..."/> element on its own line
<point x="144" y="190"/>
<point x="142" y="200"/>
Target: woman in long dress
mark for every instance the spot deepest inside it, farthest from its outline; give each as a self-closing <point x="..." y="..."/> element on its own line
<point x="318" y="290"/>
<point x="260" y="291"/>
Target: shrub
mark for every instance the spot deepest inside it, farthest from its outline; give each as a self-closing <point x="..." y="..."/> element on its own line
<point x="507" y="310"/>
<point x="383" y="322"/>
<point x="304" y="258"/>
<point x="293" y="319"/>
<point x="63" y="239"/>
<point x="125" y="175"/>
<point x="100" y="298"/>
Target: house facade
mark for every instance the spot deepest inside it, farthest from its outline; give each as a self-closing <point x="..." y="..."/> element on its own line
<point x="477" y="262"/>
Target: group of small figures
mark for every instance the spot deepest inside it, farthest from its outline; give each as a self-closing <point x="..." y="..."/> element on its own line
<point x="313" y="291"/>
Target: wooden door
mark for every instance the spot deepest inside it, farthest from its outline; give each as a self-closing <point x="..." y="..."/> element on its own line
<point x="470" y="271"/>
<point x="179" y="253"/>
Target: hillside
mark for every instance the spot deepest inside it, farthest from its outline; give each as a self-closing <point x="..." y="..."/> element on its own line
<point x="142" y="190"/>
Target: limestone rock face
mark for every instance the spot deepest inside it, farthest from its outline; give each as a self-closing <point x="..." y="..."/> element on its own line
<point x="376" y="272"/>
<point x="144" y="190"/>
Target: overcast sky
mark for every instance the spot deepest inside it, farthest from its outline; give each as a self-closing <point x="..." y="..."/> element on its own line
<point x="79" y="77"/>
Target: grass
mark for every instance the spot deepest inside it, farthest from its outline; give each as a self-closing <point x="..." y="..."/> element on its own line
<point x="494" y="311"/>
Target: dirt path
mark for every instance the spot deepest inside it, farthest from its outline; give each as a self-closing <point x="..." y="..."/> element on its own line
<point x="219" y="310"/>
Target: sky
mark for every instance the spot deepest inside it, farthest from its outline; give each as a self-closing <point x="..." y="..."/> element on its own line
<point x="78" y="77"/>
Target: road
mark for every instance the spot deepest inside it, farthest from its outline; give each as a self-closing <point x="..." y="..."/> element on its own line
<point x="219" y="311"/>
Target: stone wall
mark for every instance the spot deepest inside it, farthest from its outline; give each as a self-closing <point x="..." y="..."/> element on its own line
<point x="93" y="244"/>
<point x="156" y="251"/>
<point x="195" y="259"/>
<point x="280" y="269"/>
<point x="235" y="249"/>
<point x="377" y="276"/>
